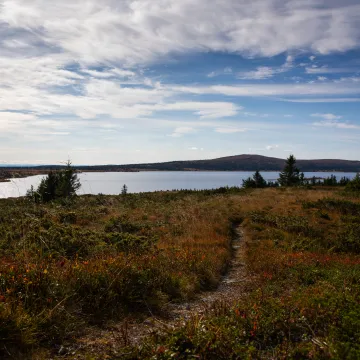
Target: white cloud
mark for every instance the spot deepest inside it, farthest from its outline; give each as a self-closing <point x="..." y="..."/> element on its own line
<point x="336" y="124"/>
<point x="229" y="130"/>
<point x="322" y="78"/>
<point x="202" y="109"/>
<point x="327" y="70"/>
<point x="331" y="120"/>
<point x="226" y="71"/>
<point x="288" y="116"/>
<point x="181" y="131"/>
<point x="11" y="121"/>
<point x="354" y="79"/>
<point x="47" y="42"/>
<point x="271" y="147"/>
<point x="327" y="116"/>
<point x="265" y="72"/>
<point x="98" y="96"/>
<point x="95" y="31"/>
<point x="114" y="72"/>
<point x="74" y="67"/>
<point x="262" y="72"/>
<point x="323" y="100"/>
<point x="247" y="113"/>
<point x="312" y="58"/>
<point x="28" y="126"/>
<point x="324" y="88"/>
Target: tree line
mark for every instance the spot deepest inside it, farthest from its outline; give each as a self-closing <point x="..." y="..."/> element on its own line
<point x="291" y="176"/>
<point x="64" y="184"/>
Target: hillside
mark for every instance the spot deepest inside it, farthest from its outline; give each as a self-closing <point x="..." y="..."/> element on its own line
<point x="230" y="163"/>
<point x="238" y="163"/>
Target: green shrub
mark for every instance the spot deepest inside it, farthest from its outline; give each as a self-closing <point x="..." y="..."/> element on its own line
<point x="354" y="184"/>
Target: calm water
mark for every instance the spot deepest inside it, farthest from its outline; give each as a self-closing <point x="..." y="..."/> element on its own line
<point x="111" y="183"/>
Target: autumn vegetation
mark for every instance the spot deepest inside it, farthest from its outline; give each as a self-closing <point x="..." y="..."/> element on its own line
<point x="66" y="265"/>
<point x="73" y="263"/>
<point x="302" y="296"/>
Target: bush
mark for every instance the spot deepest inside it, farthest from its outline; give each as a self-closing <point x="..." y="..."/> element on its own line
<point x="354" y="184"/>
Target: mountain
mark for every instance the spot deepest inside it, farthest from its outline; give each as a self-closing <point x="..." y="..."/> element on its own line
<point x="230" y="163"/>
<point x="246" y="163"/>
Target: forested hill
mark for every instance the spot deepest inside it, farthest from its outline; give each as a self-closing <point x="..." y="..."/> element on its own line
<point x="250" y="163"/>
<point x="229" y="163"/>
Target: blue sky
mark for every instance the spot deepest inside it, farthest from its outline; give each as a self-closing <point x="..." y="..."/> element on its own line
<point x="110" y="81"/>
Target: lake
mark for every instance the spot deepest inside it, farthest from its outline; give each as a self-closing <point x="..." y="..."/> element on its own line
<point x="111" y="182"/>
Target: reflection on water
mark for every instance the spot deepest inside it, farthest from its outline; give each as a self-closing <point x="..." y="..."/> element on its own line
<point x="111" y="182"/>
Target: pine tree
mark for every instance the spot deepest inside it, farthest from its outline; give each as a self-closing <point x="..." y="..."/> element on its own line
<point x="124" y="190"/>
<point x="290" y="176"/>
<point x="48" y="186"/>
<point x="257" y="181"/>
<point x="62" y="184"/>
<point x="68" y="182"/>
<point x="248" y="183"/>
<point x="354" y="184"/>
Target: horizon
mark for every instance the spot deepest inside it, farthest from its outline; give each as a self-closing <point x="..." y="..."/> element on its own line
<point x="134" y="82"/>
<point x="4" y="165"/>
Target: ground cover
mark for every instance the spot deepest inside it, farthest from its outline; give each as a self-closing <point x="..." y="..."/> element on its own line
<point x="68" y="267"/>
<point x="304" y="261"/>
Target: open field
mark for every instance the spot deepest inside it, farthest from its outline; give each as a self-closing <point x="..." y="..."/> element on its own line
<point x="68" y="268"/>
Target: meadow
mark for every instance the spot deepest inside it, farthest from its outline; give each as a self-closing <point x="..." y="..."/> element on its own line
<point x="302" y="301"/>
<point x="68" y="266"/>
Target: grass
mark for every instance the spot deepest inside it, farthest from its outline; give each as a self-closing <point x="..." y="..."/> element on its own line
<point x="67" y="266"/>
<point x="304" y="261"/>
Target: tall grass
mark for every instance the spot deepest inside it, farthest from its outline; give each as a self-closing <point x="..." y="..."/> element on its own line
<point x="303" y="299"/>
<point x="66" y="265"/>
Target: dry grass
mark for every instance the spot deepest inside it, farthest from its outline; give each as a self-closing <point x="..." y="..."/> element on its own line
<point x="67" y="267"/>
<point x="304" y="261"/>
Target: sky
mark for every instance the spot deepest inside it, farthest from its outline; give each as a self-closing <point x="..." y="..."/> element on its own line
<point x="122" y="81"/>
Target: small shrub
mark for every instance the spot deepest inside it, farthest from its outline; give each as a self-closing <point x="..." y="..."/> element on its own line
<point x="68" y="217"/>
<point x="354" y="184"/>
<point x="324" y="215"/>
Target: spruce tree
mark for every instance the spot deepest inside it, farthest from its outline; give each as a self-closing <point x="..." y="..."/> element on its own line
<point x="61" y="184"/>
<point x="68" y="182"/>
<point x="290" y="176"/>
<point x="354" y="184"/>
<point x="48" y="187"/>
<point x="257" y="181"/>
<point x="124" y="190"/>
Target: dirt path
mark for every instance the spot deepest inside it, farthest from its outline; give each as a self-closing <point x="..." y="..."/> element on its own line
<point x="107" y="343"/>
<point x="231" y="287"/>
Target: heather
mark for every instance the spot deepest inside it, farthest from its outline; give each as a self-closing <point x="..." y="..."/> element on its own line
<point x="71" y="266"/>
<point x="76" y="262"/>
<point x="302" y="296"/>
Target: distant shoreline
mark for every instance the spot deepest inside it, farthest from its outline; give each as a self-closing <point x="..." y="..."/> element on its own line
<point x="18" y="173"/>
<point x="245" y="162"/>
